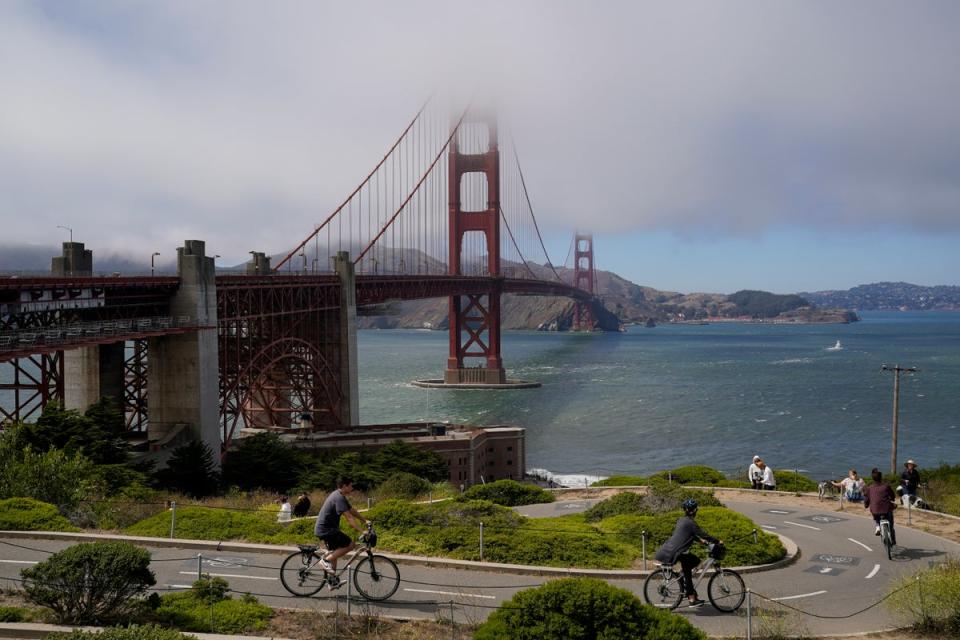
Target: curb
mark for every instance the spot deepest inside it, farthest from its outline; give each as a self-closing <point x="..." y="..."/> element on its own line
<point x="793" y="553"/>
<point x="35" y="630"/>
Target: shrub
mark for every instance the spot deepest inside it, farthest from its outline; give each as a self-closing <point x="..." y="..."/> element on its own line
<point x="621" y="481"/>
<point x="633" y="503"/>
<point x="695" y="474"/>
<point x="207" y="607"/>
<point x="508" y="493"/>
<point x="788" y="480"/>
<point x="190" y="470"/>
<point x="49" y="476"/>
<point x="663" y="496"/>
<point x="13" y="614"/>
<point x="90" y="582"/>
<point x="142" y="632"/>
<point x="27" y="514"/>
<point x="575" y="608"/>
<point x="262" y="461"/>
<point x="403" y="485"/>
<point x="930" y="599"/>
<point x="200" y="523"/>
<point x="75" y="433"/>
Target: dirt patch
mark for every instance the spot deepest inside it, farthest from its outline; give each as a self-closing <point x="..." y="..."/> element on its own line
<point x="313" y="625"/>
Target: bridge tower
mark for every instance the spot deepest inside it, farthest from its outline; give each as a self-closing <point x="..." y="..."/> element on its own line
<point x="583" y="278"/>
<point x="475" y="319"/>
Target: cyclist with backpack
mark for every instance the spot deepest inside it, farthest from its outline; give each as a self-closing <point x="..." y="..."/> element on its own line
<point x="677" y="548"/>
<point x="881" y="501"/>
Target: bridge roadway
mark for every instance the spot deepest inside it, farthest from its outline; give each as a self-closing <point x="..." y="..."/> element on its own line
<point x="842" y="569"/>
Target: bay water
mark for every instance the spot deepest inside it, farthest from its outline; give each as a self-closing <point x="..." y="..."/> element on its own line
<point x="657" y="398"/>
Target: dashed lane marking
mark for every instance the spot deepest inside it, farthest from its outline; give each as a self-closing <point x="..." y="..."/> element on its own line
<point x="876" y="568"/>
<point x="21" y="561"/>
<point x="802" y="595"/>
<point x="861" y="544"/>
<point x="805" y="526"/>
<point x="768" y="526"/>
<point x="227" y="575"/>
<point x="451" y="593"/>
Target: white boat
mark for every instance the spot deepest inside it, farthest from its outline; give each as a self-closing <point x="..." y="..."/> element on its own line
<point x="836" y="347"/>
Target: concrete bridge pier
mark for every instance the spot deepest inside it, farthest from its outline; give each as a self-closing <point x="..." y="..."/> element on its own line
<point x="183" y="380"/>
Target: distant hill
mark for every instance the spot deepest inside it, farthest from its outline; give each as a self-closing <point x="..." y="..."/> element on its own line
<point x="890" y="296"/>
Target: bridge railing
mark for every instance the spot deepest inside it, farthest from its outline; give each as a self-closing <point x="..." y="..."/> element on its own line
<point x="99" y="331"/>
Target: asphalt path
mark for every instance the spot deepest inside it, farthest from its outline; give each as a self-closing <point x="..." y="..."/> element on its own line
<point x="842" y="570"/>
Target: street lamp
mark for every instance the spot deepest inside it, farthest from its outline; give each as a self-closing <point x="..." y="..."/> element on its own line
<point x="896" y="408"/>
<point x="152" y="256"/>
<point x="60" y="226"/>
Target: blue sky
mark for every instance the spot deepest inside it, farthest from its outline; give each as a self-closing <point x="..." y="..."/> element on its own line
<point x="708" y="146"/>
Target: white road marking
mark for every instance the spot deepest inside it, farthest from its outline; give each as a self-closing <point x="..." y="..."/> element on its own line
<point x="180" y="586"/>
<point x="876" y="568"/>
<point x="227" y="575"/>
<point x="802" y="595"/>
<point x="20" y="561"/>
<point x="826" y="570"/>
<point x="768" y="526"/>
<point x="861" y="544"/>
<point x="450" y="593"/>
<point x="805" y="526"/>
<point x="783" y="513"/>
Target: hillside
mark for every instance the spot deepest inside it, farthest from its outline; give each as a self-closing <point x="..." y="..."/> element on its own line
<point x="890" y="296"/>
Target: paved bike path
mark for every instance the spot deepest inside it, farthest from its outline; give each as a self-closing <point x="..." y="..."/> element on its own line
<point x="835" y="575"/>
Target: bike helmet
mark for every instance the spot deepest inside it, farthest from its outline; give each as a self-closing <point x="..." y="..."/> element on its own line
<point x="690" y="506"/>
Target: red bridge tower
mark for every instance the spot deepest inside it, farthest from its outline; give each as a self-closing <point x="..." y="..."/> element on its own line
<point x="475" y="319"/>
<point x="583" y="278"/>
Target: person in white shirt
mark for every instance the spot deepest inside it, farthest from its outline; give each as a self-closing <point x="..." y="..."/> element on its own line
<point x="768" y="481"/>
<point x="285" y="510"/>
<point x="754" y="474"/>
<point x="851" y="487"/>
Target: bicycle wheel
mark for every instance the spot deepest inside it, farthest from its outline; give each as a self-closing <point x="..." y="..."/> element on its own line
<point x="301" y="575"/>
<point x="662" y="589"/>
<point x="887" y="542"/>
<point x="726" y="590"/>
<point x="376" y="577"/>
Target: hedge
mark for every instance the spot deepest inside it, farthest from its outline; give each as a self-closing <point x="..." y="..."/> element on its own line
<point x="206" y="607"/>
<point x="508" y="493"/>
<point x="27" y="514"/>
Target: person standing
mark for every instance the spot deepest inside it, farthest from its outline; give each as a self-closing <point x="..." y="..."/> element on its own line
<point x="909" y="481"/>
<point x="755" y="474"/>
<point x="768" y="479"/>
<point x="284" y="514"/>
<point x="880" y="499"/>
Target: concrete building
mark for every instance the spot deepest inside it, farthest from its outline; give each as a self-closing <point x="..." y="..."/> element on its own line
<point x="473" y="454"/>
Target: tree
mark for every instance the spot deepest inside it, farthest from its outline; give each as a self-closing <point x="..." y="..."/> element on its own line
<point x="582" y="609"/>
<point x="59" y="428"/>
<point x="190" y="470"/>
<point x="52" y="476"/>
<point x="91" y="582"/>
<point x="401" y="456"/>
<point x="262" y="461"/>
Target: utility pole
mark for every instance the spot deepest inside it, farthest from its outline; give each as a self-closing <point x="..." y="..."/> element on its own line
<point x="896" y="408"/>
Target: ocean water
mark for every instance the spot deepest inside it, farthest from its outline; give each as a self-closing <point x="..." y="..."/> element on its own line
<point x="653" y="399"/>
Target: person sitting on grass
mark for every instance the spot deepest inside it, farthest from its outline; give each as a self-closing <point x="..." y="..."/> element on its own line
<point x="302" y="507"/>
<point x="328" y="526"/>
<point x="677" y="548"/>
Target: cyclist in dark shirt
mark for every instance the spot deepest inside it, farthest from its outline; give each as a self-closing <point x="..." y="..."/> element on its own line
<point x="328" y="523"/>
<point x="676" y="548"/>
<point x="881" y="501"/>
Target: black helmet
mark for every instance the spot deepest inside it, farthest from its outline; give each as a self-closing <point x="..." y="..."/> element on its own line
<point x="690" y="506"/>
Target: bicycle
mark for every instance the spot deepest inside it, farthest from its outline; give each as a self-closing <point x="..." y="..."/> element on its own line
<point x="726" y="590"/>
<point x="376" y="577"/>
<point x="885" y="536"/>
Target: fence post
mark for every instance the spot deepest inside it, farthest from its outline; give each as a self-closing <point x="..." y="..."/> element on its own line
<point x="670" y="477"/>
<point x="349" y="592"/>
<point x="755" y="540"/>
<point x="453" y="628"/>
<point x="369" y="501"/>
<point x="173" y="517"/>
<point x="796" y="480"/>
<point x="481" y="542"/>
<point x="199" y="566"/>
<point x="749" y="616"/>
<point x="909" y="510"/>
<point x="643" y="543"/>
<point x="923" y="610"/>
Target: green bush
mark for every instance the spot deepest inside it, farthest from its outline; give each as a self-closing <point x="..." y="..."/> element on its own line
<point x="207" y="607"/>
<point x="582" y="608"/>
<point x="663" y="496"/>
<point x="262" y="461"/>
<point x="200" y="523"/>
<point x="95" y="435"/>
<point x="13" y="614"/>
<point x="621" y="481"/>
<point x="930" y="599"/>
<point x="403" y="485"/>
<point x="47" y="475"/>
<point x="731" y="527"/>
<point x="142" y="632"/>
<point x="190" y="470"/>
<point x="27" y="514"/>
<point x="626" y="502"/>
<point x="792" y="481"/>
<point x="508" y="493"/>
<point x="90" y="582"/>
<point x="695" y="474"/>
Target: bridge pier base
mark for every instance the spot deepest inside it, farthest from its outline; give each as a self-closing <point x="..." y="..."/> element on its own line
<point x="183" y="381"/>
<point x="91" y="373"/>
<point x="349" y="384"/>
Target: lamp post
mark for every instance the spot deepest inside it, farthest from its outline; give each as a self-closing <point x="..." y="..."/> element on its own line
<point x="60" y="226"/>
<point x="152" y="256"/>
<point x="896" y="408"/>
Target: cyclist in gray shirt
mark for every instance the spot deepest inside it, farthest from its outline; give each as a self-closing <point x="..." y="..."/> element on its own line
<point x="676" y="548"/>
<point x="328" y="523"/>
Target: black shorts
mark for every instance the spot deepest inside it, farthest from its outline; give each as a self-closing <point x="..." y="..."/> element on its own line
<point x="336" y="540"/>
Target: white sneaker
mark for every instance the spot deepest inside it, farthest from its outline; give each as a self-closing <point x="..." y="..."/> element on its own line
<point x="327" y="567"/>
<point x="876" y="531"/>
